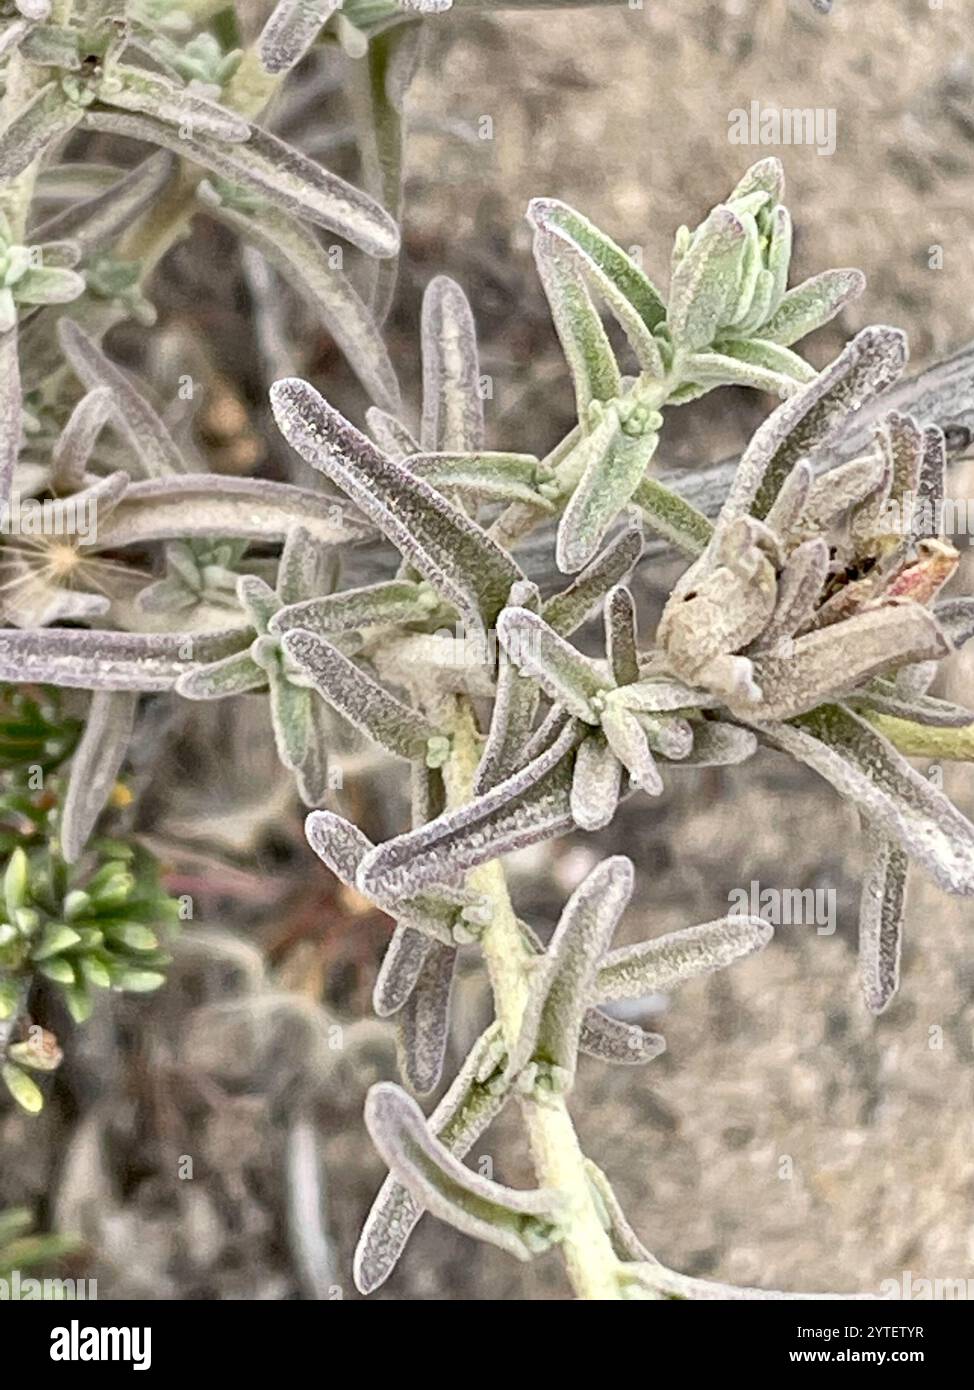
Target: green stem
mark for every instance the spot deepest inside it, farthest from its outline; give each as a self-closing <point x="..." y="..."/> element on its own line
<point x="590" y="1260"/>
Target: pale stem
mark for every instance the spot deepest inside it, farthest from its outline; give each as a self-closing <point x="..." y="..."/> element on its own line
<point x="590" y="1260"/>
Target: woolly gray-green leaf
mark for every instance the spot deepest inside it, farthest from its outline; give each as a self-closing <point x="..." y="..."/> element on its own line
<point x="448" y="549"/>
<point x="566" y="676"/>
<point x="561" y="982"/>
<point x="587" y="349"/>
<point x="633" y="299"/>
<point x="628" y="741"/>
<point x="391" y="435"/>
<point x="298" y="255"/>
<point x="69" y="459"/>
<point x="721" y="369"/>
<point x="661" y="964"/>
<point x="453" y="410"/>
<point x="273" y="170"/>
<point x="98" y="660"/>
<point x="529" y="806"/>
<point x="401" y="967"/>
<point x="423" y="1022"/>
<point x="669" y="515"/>
<point x="392" y="601"/>
<point x="865" y="768"/>
<point x="377" y="87"/>
<point x="131" y="412"/>
<point x="521" y="1222"/>
<point x="475" y="1097"/>
<point x="10" y="411"/>
<point x="662" y="694"/>
<point x="567" y="611"/>
<point x="809" y="419"/>
<point x="595" y="783"/>
<point x="290" y="31"/>
<point x="298" y="567"/>
<point x="95" y="222"/>
<point x="719" y="744"/>
<point x="47" y="117"/>
<point x="834" y="660"/>
<point x="137" y="89"/>
<point x="213" y="506"/>
<point x="613" y="462"/>
<point x="494" y="477"/>
<point x="621" y="635"/>
<point x="366" y="704"/>
<point x="608" y="1039"/>
<point x="233" y="675"/>
<point x="290" y="708"/>
<point x="811" y="304"/>
<point x="881" y="909"/>
<point x="515" y="706"/>
<point x="703" y="285"/>
<point x="887" y="697"/>
<point x="95" y="766"/>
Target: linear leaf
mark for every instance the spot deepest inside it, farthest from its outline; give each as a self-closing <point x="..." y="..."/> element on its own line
<point x="628" y="741"/>
<point x="213" y="506"/>
<point x="392" y="601"/>
<point x="587" y="349"/>
<point x="138" y="89"/>
<point x="367" y="705"/>
<point x="613" y="463"/>
<point x="69" y="459"/>
<point x="665" y="962"/>
<point x="561" y="983"/>
<point x="272" y="169"/>
<point x="621" y="635"/>
<point x="662" y="694"/>
<point x="521" y="1222"/>
<point x="864" y="767"/>
<point x="515" y="707"/>
<point x="703" y="285"/>
<point x="633" y="299"/>
<point x="595" y="783"/>
<point x="495" y="477"/>
<point x="298" y="255"/>
<point x="448" y="549"/>
<point x="291" y="30"/>
<point x="610" y="1040"/>
<point x="835" y="659"/>
<point x="401" y="967"/>
<point x="474" y="1098"/>
<point x="10" y="411"/>
<point x="453" y="409"/>
<point x="811" y="304"/>
<point x="881" y="909"/>
<point x="530" y="806"/>
<point x="46" y="117"/>
<point x="423" y="1022"/>
<point x="95" y="766"/>
<point x="567" y="611"/>
<point x="669" y="515"/>
<point x="233" y="675"/>
<point x="98" y="660"/>
<point x="131" y="412"/>
<point x="566" y="676"/>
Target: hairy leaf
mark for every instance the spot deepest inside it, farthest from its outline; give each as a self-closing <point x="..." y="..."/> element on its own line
<point x="95" y="766"/>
